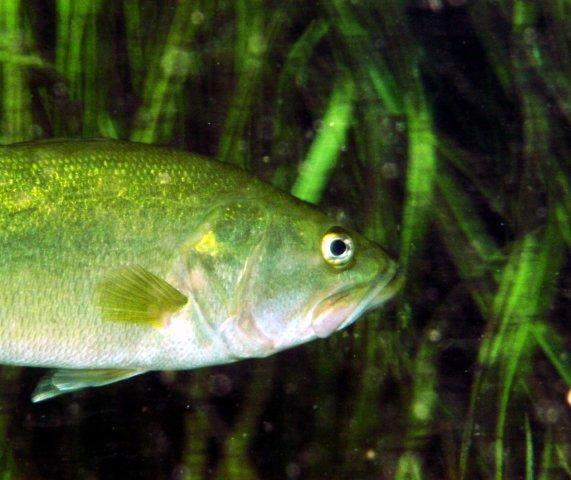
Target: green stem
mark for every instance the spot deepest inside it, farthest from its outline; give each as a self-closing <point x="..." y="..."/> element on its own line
<point x="322" y="157"/>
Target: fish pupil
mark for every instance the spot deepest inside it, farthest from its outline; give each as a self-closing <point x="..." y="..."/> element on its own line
<point x="338" y="247"/>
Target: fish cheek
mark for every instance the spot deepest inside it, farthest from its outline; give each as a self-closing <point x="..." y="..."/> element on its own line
<point x="243" y="334"/>
<point x="283" y="286"/>
<point x="218" y="272"/>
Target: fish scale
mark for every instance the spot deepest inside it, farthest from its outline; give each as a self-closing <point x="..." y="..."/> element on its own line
<point x="62" y="242"/>
<point x="214" y="265"/>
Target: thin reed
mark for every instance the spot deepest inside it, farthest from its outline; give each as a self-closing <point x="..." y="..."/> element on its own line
<point x="440" y="129"/>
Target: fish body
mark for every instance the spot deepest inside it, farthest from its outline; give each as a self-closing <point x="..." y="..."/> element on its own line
<point x="120" y="257"/>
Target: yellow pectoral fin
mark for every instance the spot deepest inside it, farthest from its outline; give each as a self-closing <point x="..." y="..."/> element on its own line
<point x="133" y="294"/>
<point x="59" y="382"/>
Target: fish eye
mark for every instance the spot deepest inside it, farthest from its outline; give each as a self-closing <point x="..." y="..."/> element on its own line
<point x="337" y="247"/>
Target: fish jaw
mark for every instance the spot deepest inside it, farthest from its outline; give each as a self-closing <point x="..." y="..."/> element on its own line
<point x="343" y="307"/>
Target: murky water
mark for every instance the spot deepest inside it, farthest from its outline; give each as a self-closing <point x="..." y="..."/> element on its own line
<point x="440" y="129"/>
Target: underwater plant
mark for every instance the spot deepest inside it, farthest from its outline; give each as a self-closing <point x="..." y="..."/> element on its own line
<point x="437" y="128"/>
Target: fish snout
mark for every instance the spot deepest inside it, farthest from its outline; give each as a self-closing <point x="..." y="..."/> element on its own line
<point x="344" y="307"/>
<point x="387" y="289"/>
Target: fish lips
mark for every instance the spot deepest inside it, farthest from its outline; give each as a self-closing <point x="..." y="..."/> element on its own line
<point x="343" y="307"/>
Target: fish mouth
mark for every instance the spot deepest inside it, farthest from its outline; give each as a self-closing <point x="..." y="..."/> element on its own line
<point x="340" y="309"/>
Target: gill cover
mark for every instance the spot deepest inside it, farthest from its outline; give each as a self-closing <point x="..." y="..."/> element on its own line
<point x="218" y="269"/>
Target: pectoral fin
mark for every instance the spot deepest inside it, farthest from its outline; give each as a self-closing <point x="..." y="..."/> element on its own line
<point x="59" y="382"/>
<point x="133" y="294"/>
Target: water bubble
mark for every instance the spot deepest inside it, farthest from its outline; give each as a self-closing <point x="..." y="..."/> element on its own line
<point x="433" y="5"/>
<point x="197" y="17"/>
<point x="421" y="410"/>
<point x="180" y="472"/>
<point x="552" y="415"/>
<point x="389" y="170"/>
<point x="35" y="131"/>
<point x="283" y="148"/>
<point x="434" y="335"/>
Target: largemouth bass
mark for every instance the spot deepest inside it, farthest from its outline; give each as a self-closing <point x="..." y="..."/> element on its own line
<point x="119" y="258"/>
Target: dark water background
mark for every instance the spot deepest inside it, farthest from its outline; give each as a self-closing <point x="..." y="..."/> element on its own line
<point x="452" y="148"/>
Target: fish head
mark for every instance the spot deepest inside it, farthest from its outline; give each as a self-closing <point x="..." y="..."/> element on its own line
<point x="267" y="277"/>
<point x="312" y="278"/>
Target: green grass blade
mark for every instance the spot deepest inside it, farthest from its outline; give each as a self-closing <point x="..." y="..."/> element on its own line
<point x="547" y="458"/>
<point x="237" y="465"/>
<point x="135" y="34"/>
<point x="475" y="253"/>
<point x="518" y="346"/>
<point x="529" y="463"/>
<point x="552" y="346"/>
<point x="16" y="117"/>
<point x="421" y="173"/>
<point x="295" y="68"/>
<point x="528" y="292"/>
<point x="377" y="168"/>
<point x="358" y="41"/>
<point x="525" y="291"/>
<point x="409" y="467"/>
<point x="563" y="453"/>
<point x="554" y="458"/>
<point x="8" y="466"/>
<point x="563" y="205"/>
<point x="424" y="391"/>
<point x="476" y="168"/>
<point x="173" y="63"/>
<point x="320" y="161"/>
<point x="82" y="62"/>
<point x="296" y="72"/>
<point x="251" y="46"/>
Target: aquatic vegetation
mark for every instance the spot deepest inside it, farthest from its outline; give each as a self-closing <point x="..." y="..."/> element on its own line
<point x="439" y="129"/>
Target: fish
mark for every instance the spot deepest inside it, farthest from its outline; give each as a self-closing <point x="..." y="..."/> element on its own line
<point x="120" y="258"/>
